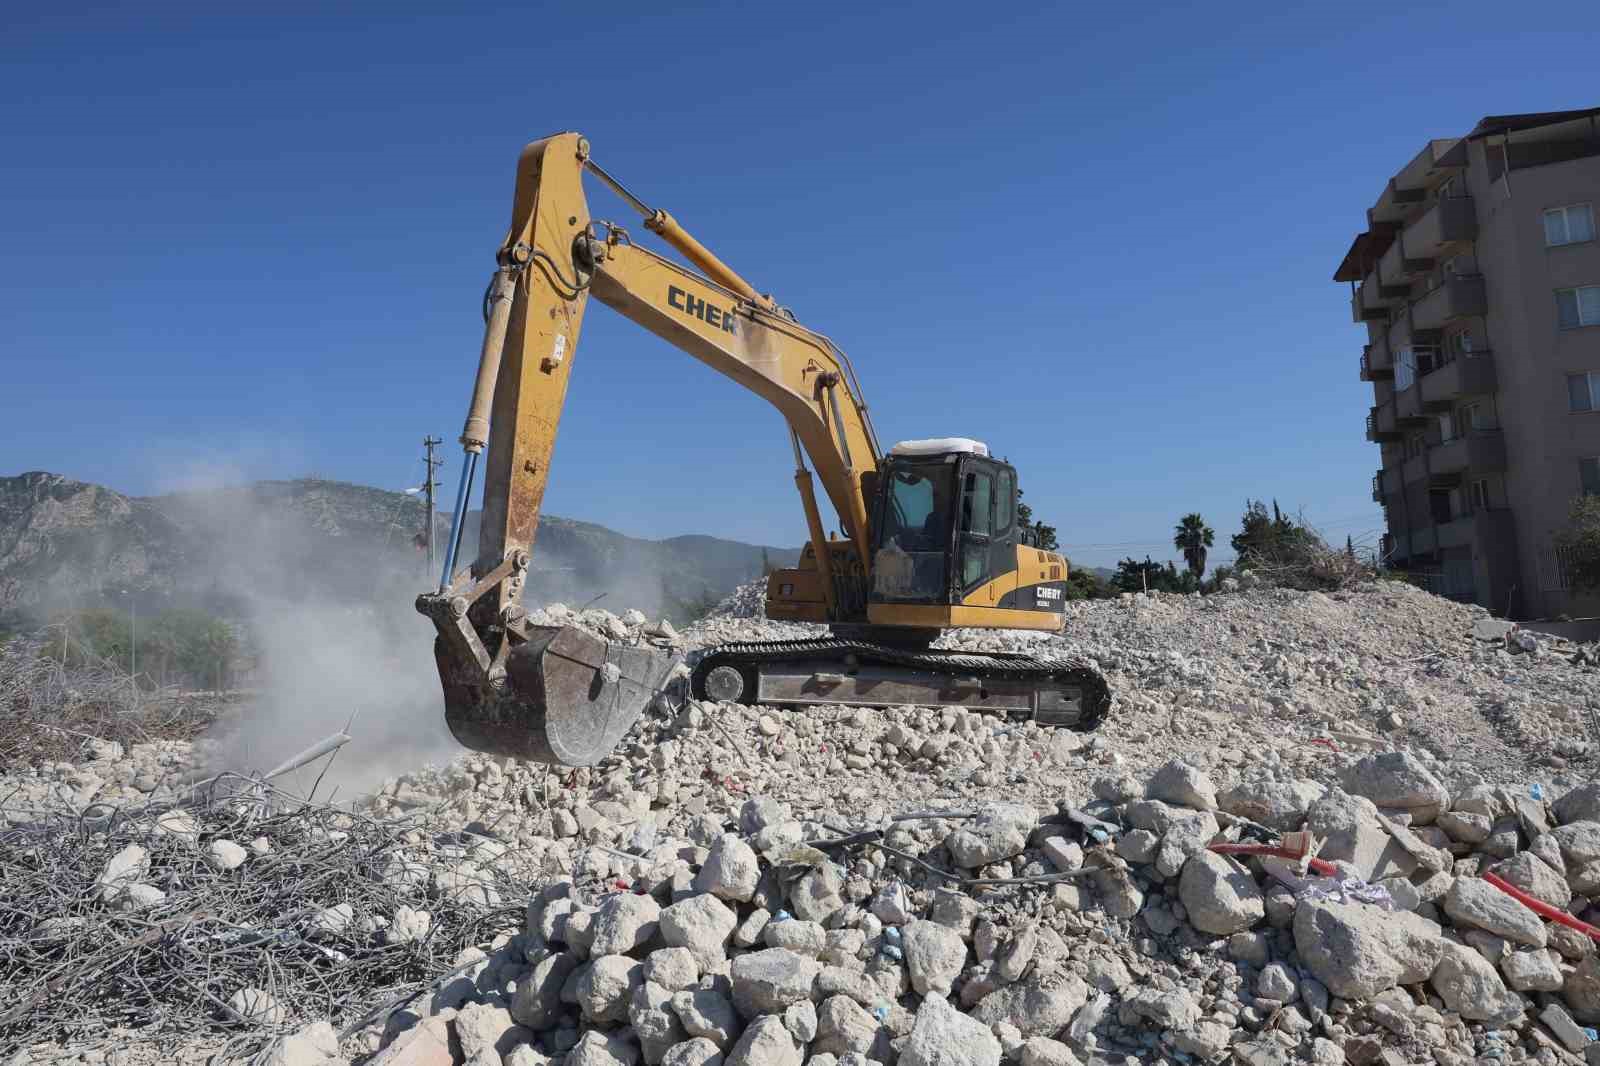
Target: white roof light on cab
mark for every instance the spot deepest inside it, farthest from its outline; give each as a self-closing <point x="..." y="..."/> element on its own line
<point x="940" y="446"/>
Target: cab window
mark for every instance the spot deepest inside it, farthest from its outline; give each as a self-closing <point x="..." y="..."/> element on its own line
<point x="1005" y="499"/>
<point x="976" y="503"/>
<point x="916" y="516"/>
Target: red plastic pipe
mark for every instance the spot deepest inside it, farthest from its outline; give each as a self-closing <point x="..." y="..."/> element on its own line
<point x="1540" y="907"/>
<point x="1327" y="869"/>
<point x="1320" y="867"/>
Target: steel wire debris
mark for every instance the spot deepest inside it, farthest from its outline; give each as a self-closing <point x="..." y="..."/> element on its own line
<point x="76" y="965"/>
<point x="48" y="709"/>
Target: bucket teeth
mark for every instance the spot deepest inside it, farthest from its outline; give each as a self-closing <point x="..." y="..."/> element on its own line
<point x="568" y="697"/>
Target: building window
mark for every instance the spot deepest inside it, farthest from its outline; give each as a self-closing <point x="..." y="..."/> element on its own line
<point x="1471" y="416"/>
<point x="1583" y="391"/>
<point x="1578" y="307"/>
<point x="1415" y="443"/>
<point x="1405" y="370"/>
<point x="1480" y="494"/>
<point x="1555" y="568"/>
<point x="1589" y="475"/>
<point x="1457" y="344"/>
<point x="1572" y="224"/>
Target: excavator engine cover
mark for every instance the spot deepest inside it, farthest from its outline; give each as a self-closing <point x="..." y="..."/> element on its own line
<point x="568" y="697"/>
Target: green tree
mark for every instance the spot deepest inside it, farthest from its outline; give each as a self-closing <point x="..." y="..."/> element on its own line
<point x="93" y="635"/>
<point x="1579" y="543"/>
<point x="1085" y="585"/>
<point x="682" y="608"/>
<point x="1192" y="537"/>
<point x="1264" y="536"/>
<point x="1046" y="534"/>
<point x="1135" y="576"/>
<point x="1255" y="529"/>
<point x="181" y="645"/>
<point x="216" y="650"/>
<point x="158" y="652"/>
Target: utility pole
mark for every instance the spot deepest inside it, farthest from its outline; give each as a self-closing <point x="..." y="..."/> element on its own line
<point x="428" y="485"/>
<point x="133" y="640"/>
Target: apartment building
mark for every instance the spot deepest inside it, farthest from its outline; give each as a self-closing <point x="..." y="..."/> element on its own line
<point x="1478" y="281"/>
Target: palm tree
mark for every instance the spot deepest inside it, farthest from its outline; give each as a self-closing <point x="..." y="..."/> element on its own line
<point x="1192" y="537"/>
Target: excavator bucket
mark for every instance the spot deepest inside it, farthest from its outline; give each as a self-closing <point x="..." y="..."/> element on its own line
<point x="568" y="697"/>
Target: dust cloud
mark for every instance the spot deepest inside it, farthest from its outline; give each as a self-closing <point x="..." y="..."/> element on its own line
<point x="326" y="611"/>
<point x="329" y="636"/>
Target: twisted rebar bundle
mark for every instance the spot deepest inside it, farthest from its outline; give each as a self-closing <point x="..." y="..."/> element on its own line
<point x="78" y="957"/>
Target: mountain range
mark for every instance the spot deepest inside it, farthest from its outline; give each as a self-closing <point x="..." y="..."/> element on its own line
<point x="67" y="543"/>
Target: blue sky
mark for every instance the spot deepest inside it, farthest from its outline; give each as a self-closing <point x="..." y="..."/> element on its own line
<point x="250" y="240"/>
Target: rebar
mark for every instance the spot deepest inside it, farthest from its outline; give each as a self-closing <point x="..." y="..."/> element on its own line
<point x="76" y="960"/>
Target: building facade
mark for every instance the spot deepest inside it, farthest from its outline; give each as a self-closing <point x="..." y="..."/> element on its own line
<point x="1478" y="281"/>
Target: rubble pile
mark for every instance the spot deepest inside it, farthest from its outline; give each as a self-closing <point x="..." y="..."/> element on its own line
<point x="917" y="886"/>
<point x="104" y="772"/>
<point x="1068" y="934"/>
<point x="631" y="627"/>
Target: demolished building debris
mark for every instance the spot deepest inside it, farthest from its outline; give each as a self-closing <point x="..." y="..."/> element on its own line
<point x="744" y="885"/>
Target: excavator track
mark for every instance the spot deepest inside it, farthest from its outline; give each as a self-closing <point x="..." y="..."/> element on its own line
<point x="1071" y="693"/>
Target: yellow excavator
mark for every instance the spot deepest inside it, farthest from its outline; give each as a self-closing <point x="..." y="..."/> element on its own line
<point x="931" y="535"/>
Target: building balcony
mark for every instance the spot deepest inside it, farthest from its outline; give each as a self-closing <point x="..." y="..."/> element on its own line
<point x="1376" y="361"/>
<point x="1447" y="221"/>
<point x="1381" y="424"/>
<point x="1390" y="480"/>
<point x="1459" y="533"/>
<point x="1395" y="202"/>
<point x="1373" y="299"/>
<point x="1481" y="451"/>
<point x="1414" y="471"/>
<point x="1457" y="296"/>
<point x="1411" y="543"/>
<point x="1489" y="530"/>
<point x="1408" y="405"/>
<point x="1467" y="375"/>
<point x="1416" y="544"/>
<point x="1385" y="483"/>
<point x="1399" y="267"/>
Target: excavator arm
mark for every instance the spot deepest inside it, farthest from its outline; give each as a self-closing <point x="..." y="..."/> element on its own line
<point x="546" y="694"/>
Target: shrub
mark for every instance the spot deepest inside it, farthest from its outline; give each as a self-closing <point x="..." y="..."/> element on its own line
<point x="1579" y="543"/>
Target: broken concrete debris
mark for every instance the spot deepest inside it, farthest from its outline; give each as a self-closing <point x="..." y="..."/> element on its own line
<point x="689" y="902"/>
<point x="911" y="967"/>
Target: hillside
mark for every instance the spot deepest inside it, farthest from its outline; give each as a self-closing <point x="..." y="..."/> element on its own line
<point x="70" y="543"/>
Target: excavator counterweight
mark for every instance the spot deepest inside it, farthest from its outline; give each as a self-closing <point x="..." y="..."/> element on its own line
<point x="932" y="536"/>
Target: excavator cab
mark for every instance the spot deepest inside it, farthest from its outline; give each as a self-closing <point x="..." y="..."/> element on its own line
<point x="948" y="543"/>
<point x="948" y="549"/>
